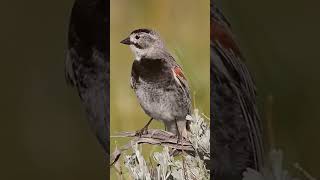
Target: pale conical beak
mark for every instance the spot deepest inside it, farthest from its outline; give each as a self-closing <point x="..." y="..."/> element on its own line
<point x="126" y="41"/>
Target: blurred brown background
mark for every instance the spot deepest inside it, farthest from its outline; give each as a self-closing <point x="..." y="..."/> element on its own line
<point x="280" y="40"/>
<point x="44" y="134"/>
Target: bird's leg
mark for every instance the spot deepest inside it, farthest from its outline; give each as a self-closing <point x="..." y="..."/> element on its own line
<point x="178" y="132"/>
<point x="144" y="129"/>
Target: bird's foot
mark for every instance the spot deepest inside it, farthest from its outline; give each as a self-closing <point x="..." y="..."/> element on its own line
<point x="142" y="131"/>
<point x="179" y="138"/>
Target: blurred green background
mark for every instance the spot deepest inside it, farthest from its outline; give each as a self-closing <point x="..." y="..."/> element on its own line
<point x="280" y="40"/>
<point x="184" y="27"/>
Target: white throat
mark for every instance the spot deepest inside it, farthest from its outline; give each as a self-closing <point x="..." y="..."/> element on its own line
<point x="139" y="53"/>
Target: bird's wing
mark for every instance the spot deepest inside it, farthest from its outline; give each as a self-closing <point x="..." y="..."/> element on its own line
<point x="179" y="77"/>
<point x="87" y="66"/>
<point x="234" y="95"/>
<point x="132" y="83"/>
<point x="182" y="82"/>
<point x="68" y="70"/>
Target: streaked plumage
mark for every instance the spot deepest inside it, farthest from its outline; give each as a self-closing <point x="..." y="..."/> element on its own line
<point x="237" y="135"/>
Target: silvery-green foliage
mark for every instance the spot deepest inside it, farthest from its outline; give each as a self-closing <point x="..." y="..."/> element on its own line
<point x="164" y="160"/>
<point x="195" y="168"/>
<point x="188" y="168"/>
<point x="168" y="167"/>
<point x="136" y="165"/>
<point x="199" y="135"/>
<point x="275" y="170"/>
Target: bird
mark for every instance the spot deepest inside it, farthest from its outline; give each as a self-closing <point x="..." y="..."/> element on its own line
<point x="159" y="82"/>
<point x="236" y="129"/>
<point x="87" y="64"/>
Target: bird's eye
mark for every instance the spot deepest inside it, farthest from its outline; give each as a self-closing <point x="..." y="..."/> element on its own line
<point x="137" y="37"/>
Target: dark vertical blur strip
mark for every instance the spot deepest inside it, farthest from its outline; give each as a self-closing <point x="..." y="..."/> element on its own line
<point x="108" y="84"/>
<point x="280" y="41"/>
<point x="210" y="164"/>
<point x="44" y="131"/>
<point x="107" y="26"/>
<point x="87" y="65"/>
<point x="212" y="108"/>
<point x="236" y="130"/>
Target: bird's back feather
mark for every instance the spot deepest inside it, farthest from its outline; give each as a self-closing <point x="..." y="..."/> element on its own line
<point x="237" y="133"/>
<point x="87" y="66"/>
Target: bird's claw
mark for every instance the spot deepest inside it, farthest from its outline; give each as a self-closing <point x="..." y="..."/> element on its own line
<point x="179" y="138"/>
<point x="141" y="132"/>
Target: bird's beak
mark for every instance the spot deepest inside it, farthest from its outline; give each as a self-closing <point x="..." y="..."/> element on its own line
<point x="126" y="41"/>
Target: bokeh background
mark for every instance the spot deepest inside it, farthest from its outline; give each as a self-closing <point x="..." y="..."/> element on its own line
<point x="280" y="40"/>
<point x="184" y="27"/>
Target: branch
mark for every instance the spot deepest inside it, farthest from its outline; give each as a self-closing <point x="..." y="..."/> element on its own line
<point x="153" y="137"/>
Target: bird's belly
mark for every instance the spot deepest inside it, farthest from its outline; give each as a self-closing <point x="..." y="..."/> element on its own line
<point x="163" y="103"/>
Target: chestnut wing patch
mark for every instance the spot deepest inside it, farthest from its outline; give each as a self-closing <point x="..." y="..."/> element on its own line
<point x="179" y="73"/>
<point x="223" y="35"/>
<point x="179" y="76"/>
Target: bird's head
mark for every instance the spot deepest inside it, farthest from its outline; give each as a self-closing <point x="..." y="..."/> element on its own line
<point x="144" y="43"/>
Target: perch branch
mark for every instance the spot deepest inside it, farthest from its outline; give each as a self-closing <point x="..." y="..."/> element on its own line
<point x="153" y="137"/>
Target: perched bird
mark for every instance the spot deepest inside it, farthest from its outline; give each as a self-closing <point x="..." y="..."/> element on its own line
<point x="87" y="63"/>
<point x="158" y="82"/>
<point x="237" y="134"/>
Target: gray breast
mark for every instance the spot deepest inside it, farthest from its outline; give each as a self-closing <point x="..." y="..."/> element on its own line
<point x="156" y="90"/>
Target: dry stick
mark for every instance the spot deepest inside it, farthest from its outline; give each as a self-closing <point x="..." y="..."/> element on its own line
<point x="153" y="137"/>
<point x="304" y="172"/>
